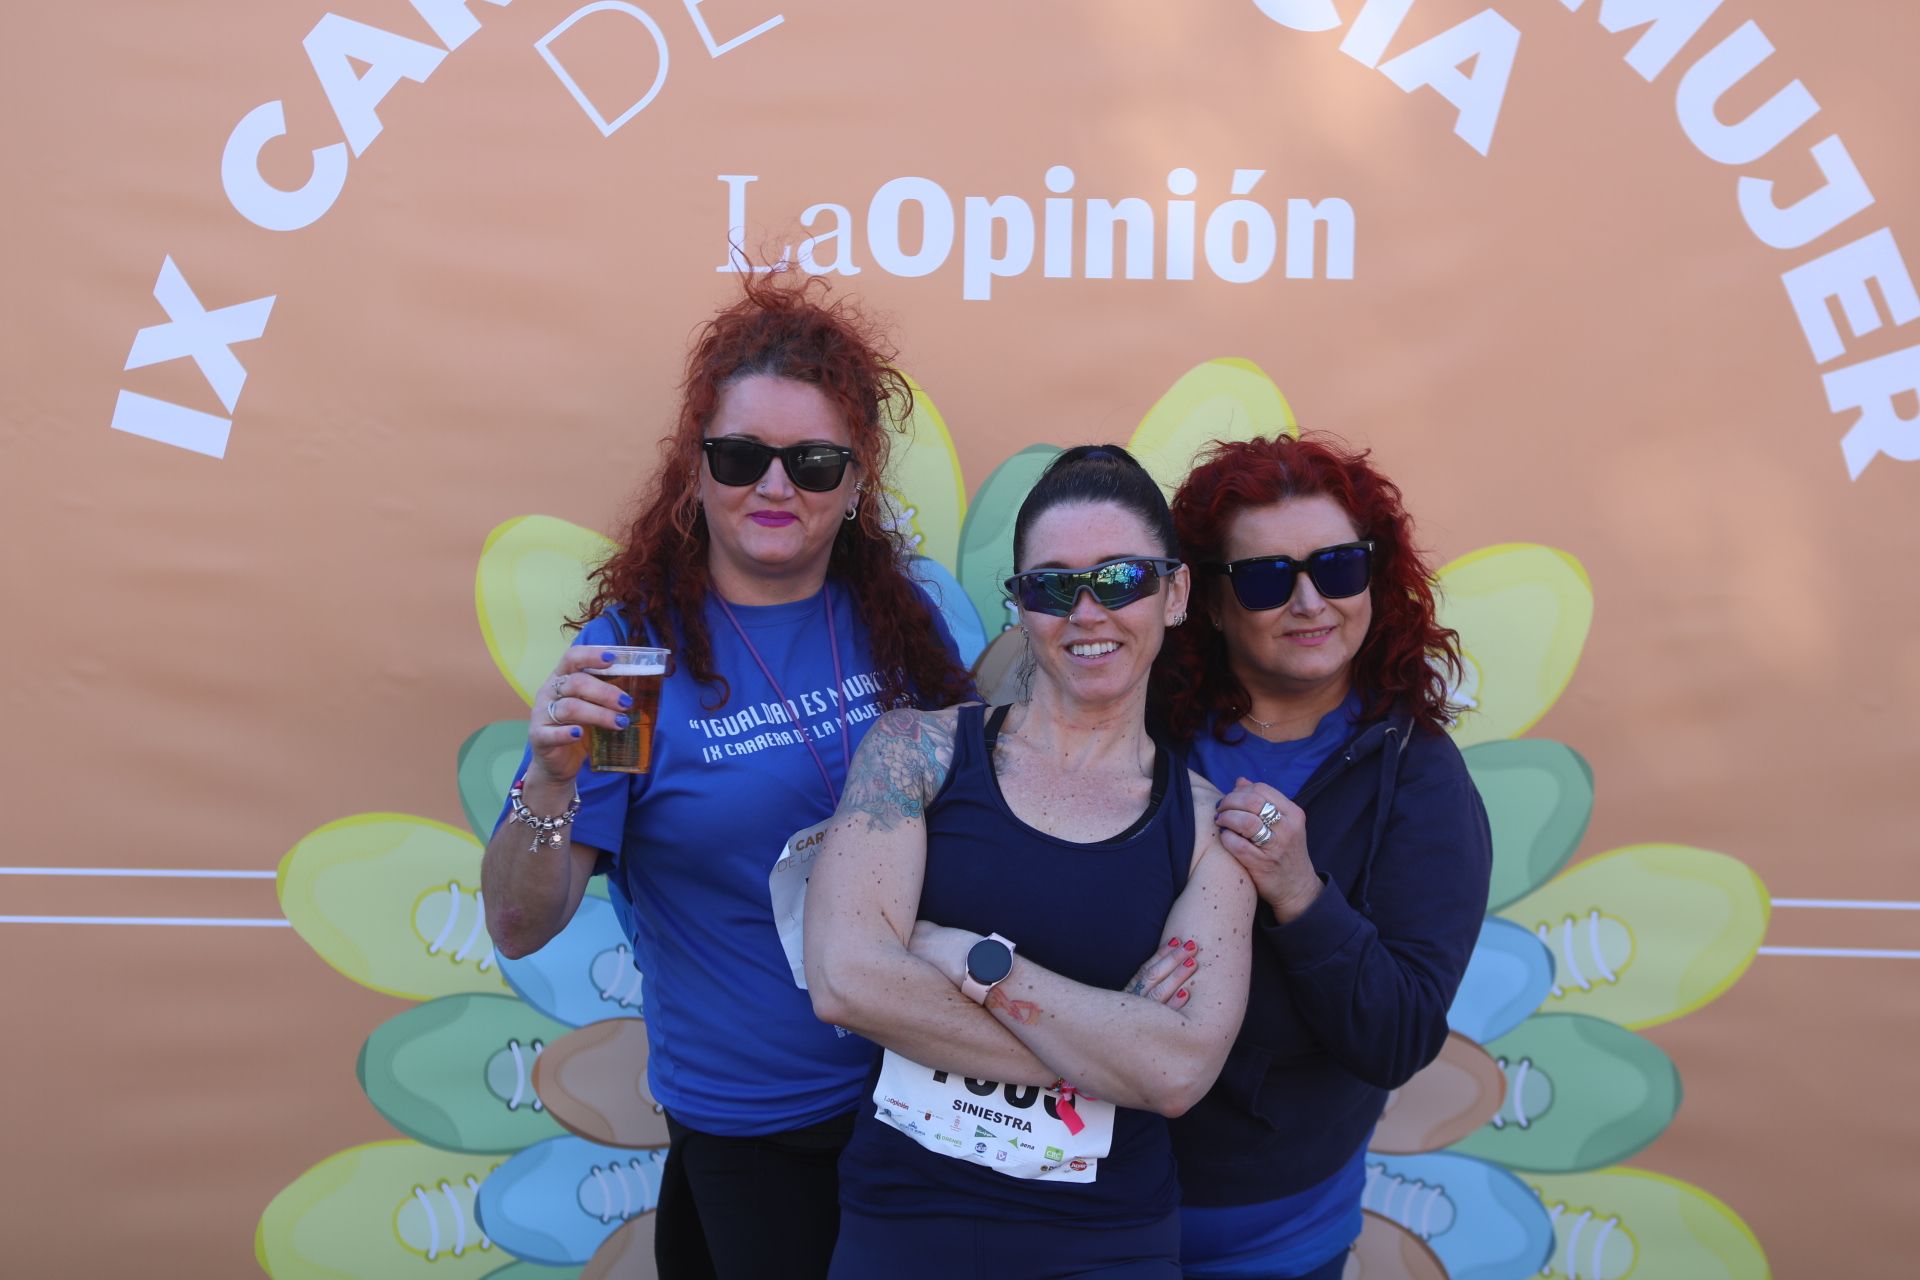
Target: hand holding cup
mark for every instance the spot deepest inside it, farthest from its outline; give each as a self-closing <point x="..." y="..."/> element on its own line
<point x="584" y="701"/>
<point x="635" y="672"/>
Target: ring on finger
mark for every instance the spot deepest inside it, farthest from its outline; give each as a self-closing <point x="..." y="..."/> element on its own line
<point x="553" y="717"/>
<point x="1265" y="834"/>
<point x="1268" y="813"/>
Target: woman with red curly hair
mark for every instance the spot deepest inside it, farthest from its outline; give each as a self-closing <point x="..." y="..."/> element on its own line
<point x="1314" y="690"/>
<point x="762" y="555"/>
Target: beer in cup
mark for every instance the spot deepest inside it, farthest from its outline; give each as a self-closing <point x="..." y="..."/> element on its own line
<point x="636" y="672"/>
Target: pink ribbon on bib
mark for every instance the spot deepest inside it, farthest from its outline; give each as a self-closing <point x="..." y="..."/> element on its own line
<point x="1068" y="1116"/>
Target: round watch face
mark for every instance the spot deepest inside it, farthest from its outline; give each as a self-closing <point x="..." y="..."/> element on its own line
<point x="989" y="961"/>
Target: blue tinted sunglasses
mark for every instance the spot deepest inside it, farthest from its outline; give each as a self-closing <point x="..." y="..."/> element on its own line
<point x="1266" y="582"/>
<point x="1114" y="584"/>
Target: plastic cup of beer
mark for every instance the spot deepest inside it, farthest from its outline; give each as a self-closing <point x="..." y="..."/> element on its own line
<point x="636" y="672"/>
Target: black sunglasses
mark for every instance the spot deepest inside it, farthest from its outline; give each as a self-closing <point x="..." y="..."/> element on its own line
<point x="1266" y="582"/>
<point x="737" y="461"/>
<point x="1114" y="584"/>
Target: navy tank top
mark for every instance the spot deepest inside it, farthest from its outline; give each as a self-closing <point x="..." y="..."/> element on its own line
<point x="1089" y="912"/>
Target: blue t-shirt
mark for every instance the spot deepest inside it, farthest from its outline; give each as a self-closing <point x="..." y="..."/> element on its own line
<point x="1290" y="1236"/>
<point x="733" y="1046"/>
<point x="1296" y="1233"/>
<point x="1284" y="766"/>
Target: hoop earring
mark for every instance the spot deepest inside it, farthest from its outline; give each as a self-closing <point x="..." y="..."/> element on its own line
<point x="853" y="511"/>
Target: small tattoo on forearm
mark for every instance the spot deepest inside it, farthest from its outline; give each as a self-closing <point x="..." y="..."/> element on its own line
<point x="1024" y="1012"/>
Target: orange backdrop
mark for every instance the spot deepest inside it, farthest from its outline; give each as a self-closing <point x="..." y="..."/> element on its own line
<point x="1564" y="330"/>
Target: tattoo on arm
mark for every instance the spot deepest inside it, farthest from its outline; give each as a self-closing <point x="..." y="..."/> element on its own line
<point x="1024" y="1012"/>
<point x="902" y="763"/>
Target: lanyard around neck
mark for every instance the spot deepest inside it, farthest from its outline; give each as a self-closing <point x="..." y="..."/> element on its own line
<point x="793" y="710"/>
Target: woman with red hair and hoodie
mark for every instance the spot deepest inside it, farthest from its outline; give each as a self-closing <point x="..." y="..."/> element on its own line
<point x="1314" y="692"/>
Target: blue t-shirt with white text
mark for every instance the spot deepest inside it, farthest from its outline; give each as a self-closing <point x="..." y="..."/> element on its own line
<point x="733" y="1046"/>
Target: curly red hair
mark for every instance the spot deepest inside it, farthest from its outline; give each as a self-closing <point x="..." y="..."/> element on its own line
<point x="1408" y="659"/>
<point x="779" y="327"/>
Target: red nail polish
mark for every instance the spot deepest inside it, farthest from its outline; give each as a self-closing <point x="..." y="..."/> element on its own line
<point x="1182" y="993"/>
<point x="1173" y="942"/>
<point x="1192" y="945"/>
<point x="1189" y="962"/>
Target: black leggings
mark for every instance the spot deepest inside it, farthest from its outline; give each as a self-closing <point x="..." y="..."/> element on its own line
<point x="745" y="1208"/>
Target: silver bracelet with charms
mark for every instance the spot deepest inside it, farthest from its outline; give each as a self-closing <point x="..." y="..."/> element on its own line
<point x="550" y="831"/>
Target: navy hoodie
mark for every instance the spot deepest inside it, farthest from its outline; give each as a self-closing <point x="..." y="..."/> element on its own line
<point x="1350" y="1000"/>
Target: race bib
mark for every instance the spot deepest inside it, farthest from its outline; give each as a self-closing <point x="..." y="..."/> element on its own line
<point x="787" y="888"/>
<point x="1013" y="1129"/>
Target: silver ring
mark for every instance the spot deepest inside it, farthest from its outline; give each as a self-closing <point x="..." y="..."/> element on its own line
<point x="1268" y="812"/>
<point x="552" y="717"/>
<point x="1266" y="834"/>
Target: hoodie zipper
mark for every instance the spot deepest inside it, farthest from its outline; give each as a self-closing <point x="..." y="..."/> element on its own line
<point x="1392" y="736"/>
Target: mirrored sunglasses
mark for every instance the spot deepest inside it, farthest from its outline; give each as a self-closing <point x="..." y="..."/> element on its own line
<point x="1114" y="584"/>
<point x="736" y="461"/>
<point x="1266" y="582"/>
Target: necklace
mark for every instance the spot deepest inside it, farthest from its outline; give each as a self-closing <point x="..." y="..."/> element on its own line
<point x="793" y="709"/>
<point x="1266" y="726"/>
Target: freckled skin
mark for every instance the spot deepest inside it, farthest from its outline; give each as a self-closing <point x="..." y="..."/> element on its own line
<point x="1073" y="803"/>
<point x="1072" y="760"/>
<point x="1050" y="784"/>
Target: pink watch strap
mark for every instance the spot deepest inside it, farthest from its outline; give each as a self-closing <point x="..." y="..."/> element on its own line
<point x="977" y="991"/>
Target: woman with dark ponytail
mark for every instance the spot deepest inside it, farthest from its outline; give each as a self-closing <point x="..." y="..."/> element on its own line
<point x="980" y="907"/>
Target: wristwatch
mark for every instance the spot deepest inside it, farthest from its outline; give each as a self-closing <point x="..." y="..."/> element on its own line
<point x="988" y="963"/>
